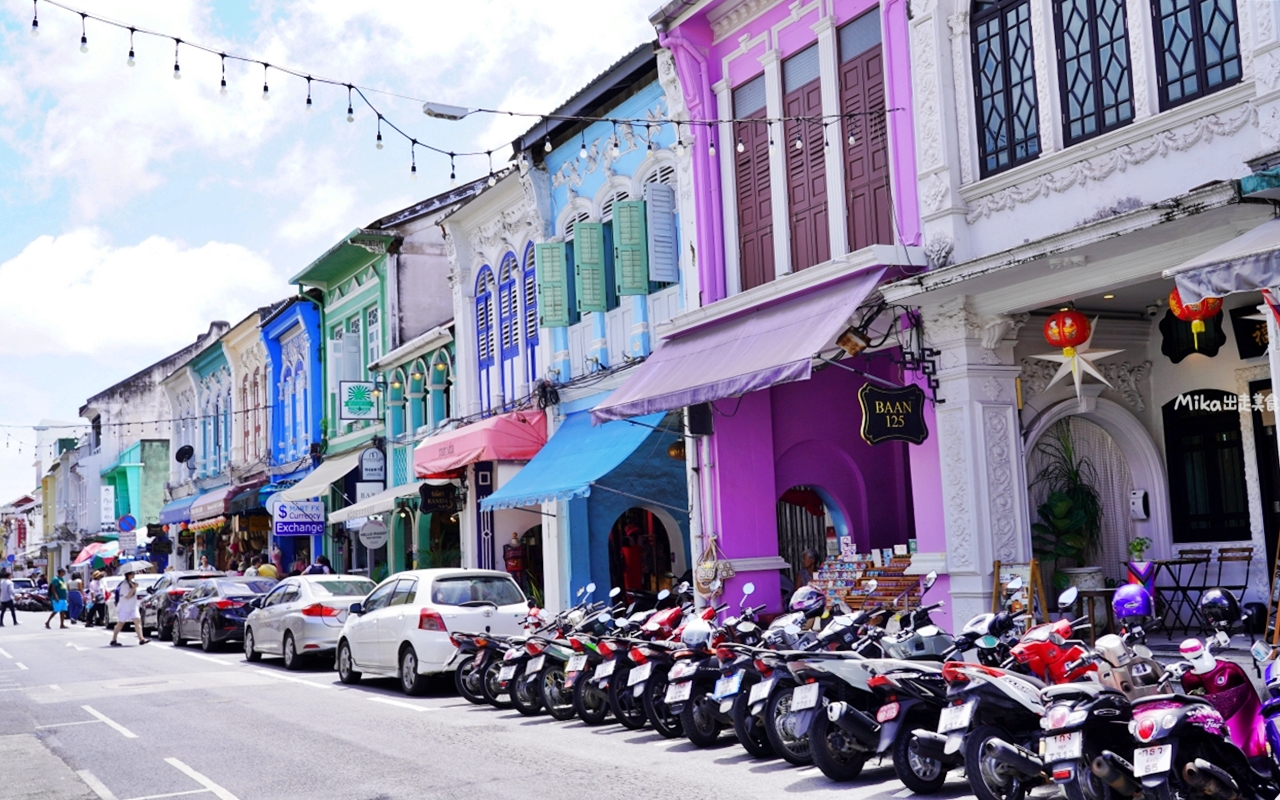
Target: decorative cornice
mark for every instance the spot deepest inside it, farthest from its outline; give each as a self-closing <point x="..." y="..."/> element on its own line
<point x="739" y="17"/>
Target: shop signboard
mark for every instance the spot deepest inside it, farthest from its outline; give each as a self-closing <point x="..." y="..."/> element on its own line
<point x="128" y="542"/>
<point x="892" y="415"/>
<point x="437" y="498"/>
<point x="373" y="534"/>
<point x="107" y="496"/>
<point x="298" y="518"/>
<point x="373" y="465"/>
<point x="357" y="400"/>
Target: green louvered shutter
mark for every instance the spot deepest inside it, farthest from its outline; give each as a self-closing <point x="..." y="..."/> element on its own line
<point x="630" y="248"/>
<point x="554" y="301"/>
<point x="589" y="267"/>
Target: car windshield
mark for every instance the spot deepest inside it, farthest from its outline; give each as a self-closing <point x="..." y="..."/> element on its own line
<point x="339" y="588"/>
<point x="228" y="588"/>
<point x="463" y="590"/>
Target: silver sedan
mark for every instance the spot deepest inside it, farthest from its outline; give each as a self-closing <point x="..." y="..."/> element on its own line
<point x="302" y="617"/>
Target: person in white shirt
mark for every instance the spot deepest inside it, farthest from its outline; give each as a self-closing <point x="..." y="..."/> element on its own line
<point x="7" y="598"/>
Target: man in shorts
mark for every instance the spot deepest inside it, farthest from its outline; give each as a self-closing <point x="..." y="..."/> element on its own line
<point x="58" y="595"/>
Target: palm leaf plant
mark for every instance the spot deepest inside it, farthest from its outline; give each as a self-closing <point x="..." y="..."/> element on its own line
<point x="1070" y="518"/>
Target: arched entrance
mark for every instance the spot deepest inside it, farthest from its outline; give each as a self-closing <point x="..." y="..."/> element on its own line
<point x="806" y="522"/>
<point x="439" y="540"/>
<point x="641" y="559"/>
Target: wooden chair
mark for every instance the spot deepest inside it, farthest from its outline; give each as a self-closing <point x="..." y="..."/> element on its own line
<point x="1227" y="555"/>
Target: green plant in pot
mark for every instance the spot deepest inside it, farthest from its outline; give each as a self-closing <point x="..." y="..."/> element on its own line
<point x="1138" y="548"/>
<point x="1070" y="525"/>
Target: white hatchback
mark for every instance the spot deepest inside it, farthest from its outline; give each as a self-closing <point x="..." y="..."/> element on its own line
<point x="402" y="628"/>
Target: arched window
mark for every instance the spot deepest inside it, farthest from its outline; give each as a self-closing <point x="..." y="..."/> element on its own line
<point x="226" y="426"/>
<point x="529" y="295"/>
<point x="417" y="415"/>
<point x="289" y="442"/>
<point x="1197" y="48"/>
<point x="396" y="402"/>
<point x="257" y="413"/>
<point x="508" y="318"/>
<point x="245" y="447"/>
<point x="299" y="431"/>
<point x="1004" y="81"/>
<point x="485" y="350"/>
<point x="1093" y="67"/>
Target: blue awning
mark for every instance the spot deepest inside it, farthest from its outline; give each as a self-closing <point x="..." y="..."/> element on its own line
<point x="572" y="460"/>
<point x="177" y="511"/>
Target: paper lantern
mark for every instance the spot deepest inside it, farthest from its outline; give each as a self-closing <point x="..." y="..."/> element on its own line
<point x="1068" y="330"/>
<point x="1195" y="313"/>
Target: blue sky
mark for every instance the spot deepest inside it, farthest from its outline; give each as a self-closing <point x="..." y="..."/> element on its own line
<point x="135" y="209"/>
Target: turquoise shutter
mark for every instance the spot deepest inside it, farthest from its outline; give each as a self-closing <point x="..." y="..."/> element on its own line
<point x="664" y="255"/>
<point x="554" y="309"/>
<point x="589" y="266"/>
<point x="630" y="248"/>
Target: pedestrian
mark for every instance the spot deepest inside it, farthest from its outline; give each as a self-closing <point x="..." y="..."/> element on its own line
<point x="267" y="570"/>
<point x="58" y="594"/>
<point x="97" y="602"/>
<point x="252" y="571"/>
<point x="204" y="563"/>
<point x="7" y="598"/>
<point x="808" y="563"/>
<point x="321" y="567"/>
<point x="127" y="610"/>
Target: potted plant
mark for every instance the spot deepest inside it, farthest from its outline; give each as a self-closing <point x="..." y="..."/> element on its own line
<point x="1070" y="525"/>
<point x="1138" y="547"/>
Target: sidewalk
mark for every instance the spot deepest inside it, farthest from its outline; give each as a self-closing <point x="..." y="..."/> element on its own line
<point x="33" y="772"/>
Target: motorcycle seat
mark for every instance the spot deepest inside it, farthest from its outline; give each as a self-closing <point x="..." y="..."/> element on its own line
<point x="1169" y="698"/>
<point x="1077" y="689"/>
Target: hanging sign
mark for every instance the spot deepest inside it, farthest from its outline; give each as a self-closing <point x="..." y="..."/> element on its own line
<point x="298" y="518"/>
<point x="373" y="465"/>
<point x="356" y="400"/>
<point x="373" y="534"/>
<point x="1250" y="328"/>
<point x="892" y="415"/>
<point x="107" y="496"/>
<point x="437" y="498"/>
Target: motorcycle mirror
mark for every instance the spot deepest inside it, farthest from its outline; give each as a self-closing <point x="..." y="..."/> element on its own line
<point x="582" y="591"/>
<point x="749" y="589"/>
<point x="988" y="642"/>
<point x="871" y="585"/>
<point x="615" y="591"/>
<point x="929" y="630"/>
<point x="1262" y="652"/>
<point x="1222" y="638"/>
<point x="663" y="595"/>
<point x="930" y="579"/>
<point x="591" y="588"/>
<point x="606" y="617"/>
<point x="1068" y="598"/>
<point x="683" y="588"/>
<point x="792" y="629"/>
<point x="1014" y="586"/>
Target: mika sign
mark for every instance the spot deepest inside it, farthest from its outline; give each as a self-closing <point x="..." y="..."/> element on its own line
<point x="356" y="400"/>
<point x="298" y="518"/>
<point x="892" y="415"/>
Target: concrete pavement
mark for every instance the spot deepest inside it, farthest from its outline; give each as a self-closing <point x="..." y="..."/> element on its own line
<point x="159" y="721"/>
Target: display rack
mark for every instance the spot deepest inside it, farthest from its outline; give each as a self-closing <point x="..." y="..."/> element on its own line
<point x="845" y="578"/>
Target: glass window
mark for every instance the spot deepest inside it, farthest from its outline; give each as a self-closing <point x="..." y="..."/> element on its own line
<point x="374" y="330"/>
<point x="274" y="596"/>
<point x="380" y="597"/>
<point x="341" y="588"/>
<point x="461" y="591"/>
<point x="1197" y="48"/>
<point x="1004" y="80"/>
<point x="1207" y="490"/>
<point x="406" y="591"/>
<point x="1093" y="67"/>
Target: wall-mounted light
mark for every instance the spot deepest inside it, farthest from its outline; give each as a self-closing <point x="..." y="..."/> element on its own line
<point x="676" y="450"/>
<point x="853" y="341"/>
<point x="396" y="384"/>
<point x="440" y="367"/>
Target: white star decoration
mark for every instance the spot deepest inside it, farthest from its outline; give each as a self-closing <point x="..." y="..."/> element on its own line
<point x="1080" y="361"/>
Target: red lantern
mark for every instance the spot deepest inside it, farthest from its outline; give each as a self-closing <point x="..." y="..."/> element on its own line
<point x="1068" y="330"/>
<point x="1195" y="313"/>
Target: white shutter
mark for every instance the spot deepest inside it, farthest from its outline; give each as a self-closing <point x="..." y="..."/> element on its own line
<point x="335" y="363"/>
<point x="352" y="363"/>
<point x="664" y="255"/>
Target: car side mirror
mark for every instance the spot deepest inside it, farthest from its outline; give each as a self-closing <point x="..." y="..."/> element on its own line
<point x="356" y="609"/>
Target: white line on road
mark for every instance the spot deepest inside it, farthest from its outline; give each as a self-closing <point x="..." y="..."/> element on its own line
<point x="122" y="730"/>
<point x="170" y="794"/>
<point x="76" y="646"/>
<point x="302" y="681"/>
<point x="5" y="653"/>
<point x="98" y="787"/>
<point x="205" y="658"/>
<point x="64" y="724"/>
<point x="218" y="791"/>
<point x="53" y="687"/>
<point x="20" y="665"/>
<point x="409" y="706"/>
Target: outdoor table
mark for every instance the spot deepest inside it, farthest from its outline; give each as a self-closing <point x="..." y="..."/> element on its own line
<point x="1092" y="596"/>
<point x="1182" y="573"/>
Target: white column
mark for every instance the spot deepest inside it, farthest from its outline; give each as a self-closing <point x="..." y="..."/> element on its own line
<point x="777" y="163"/>
<point x="828" y="63"/>
<point x="728" y="187"/>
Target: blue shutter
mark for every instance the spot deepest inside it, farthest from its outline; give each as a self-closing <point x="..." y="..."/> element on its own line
<point x="664" y="253"/>
<point x="630" y="248"/>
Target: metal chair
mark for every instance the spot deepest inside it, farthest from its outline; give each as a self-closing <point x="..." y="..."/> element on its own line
<point x="1228" y="555"/>
<point x="1182" y="570"/>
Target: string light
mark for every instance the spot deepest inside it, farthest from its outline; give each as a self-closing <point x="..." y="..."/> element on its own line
<point x="614" y="149"/>
<point x="825" y="143"/>
<point x="742" y="148"/>
<point x="223" y="90"/>
<point x="130" y="61"/>
<point x="679" y="141"/>
<point x="35" y="18"/>
<point x="177" y="71"/>
<point x="799" y="143"/>
<point x="546" y="146"/>
<point x="772" y="146"/>
<point x="711" y="148"/>
<point x="84" y="36"/>
<point x="266" y="90"/>
<point x="413" y="159"/>
<point x="453" y="173"/>
<point x="853" y="134"/>
<point x="379" y="140"/>
<point x="351" y="114"/>
<point x="309" y="105"/>
<point x="492" y="179"/>
<point x="582" y="152"/>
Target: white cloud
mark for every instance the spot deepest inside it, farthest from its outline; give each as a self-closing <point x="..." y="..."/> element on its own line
<point x="79" y="294"/>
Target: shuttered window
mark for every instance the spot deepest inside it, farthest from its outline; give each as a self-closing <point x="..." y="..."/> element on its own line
<point x="630" y="248"/>
<point x="484" y="318"/>
<point x="660" y="213"/>
<point x="529" y="296"/>
<point x="806" y="171"/>
<point x="555" y="285"/>
<point x="508" y="312"/>
<point x="866" y="158"/>
<point x="751" y="185"/>
<point x="590" y="268"/>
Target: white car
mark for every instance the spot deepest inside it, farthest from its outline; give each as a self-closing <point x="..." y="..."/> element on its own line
<point x="402" y="628"/>
<point x="302" y="616"/>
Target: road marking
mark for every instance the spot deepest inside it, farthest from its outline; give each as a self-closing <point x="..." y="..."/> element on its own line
<point x="55" y="687"/>
<point x="76" y="646"/>
<point x="98" y="787"/>
<point x="122" y="730"/>
<point x="218" y="791"/>
<point x="64" y="724"/>
<point x="170" y="794"/>
<point x="410" y="706"/>
<point x="20" y="665"/>
<point x="5" y="653"/>
<point x="295" y="680"/>
<point x="205" y="658"/>
<point x="904" y="793"/>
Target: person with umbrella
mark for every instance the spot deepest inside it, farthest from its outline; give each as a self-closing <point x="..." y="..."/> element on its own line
<point x="127" y="603"/>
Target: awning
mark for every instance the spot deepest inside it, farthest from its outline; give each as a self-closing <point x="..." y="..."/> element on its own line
<point x="176" y="511"/>
<point x="770" y="345"/>
<point x="317" y="482"/>
<point x="577" y="456"/>
<point x="380" y="502"/>
<point x="1248" y="263"/>
<point x="247" y="498"/>
<point x="211" y="504"/>
<point x="516" y="436"/>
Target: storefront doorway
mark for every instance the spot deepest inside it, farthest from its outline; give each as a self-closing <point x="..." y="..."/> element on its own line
<point x="640" y="559"/>
<point x="1265" y="446"/>
<point x="803" y="524"/>
<point x="439" y="541"/>
<point x="1206" y="468"/>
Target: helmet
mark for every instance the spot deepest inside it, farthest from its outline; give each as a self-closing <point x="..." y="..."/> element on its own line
<point x="696" y="633"/>
<point x="1220" y="608"/>
<point x="808" y="600"/>
<point x="1132" y="600"/>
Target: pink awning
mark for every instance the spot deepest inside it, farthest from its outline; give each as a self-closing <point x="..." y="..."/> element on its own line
<point x="516" y="436"/>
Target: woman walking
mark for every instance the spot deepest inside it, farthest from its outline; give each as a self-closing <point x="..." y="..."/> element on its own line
<point x="75" y="598"/>
<point x="127" y="610"/>
<point x="97" y="602"/>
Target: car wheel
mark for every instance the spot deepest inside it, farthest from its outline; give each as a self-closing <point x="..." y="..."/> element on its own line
<point x="411" y="682"/>
<point x="176" y="637"/>
<point x="163" y="632"/>
<point x="346" y="665"/>
<point x="206" y="636"/>
<point x="249" y="653"/>
<point x="292" y="661"/>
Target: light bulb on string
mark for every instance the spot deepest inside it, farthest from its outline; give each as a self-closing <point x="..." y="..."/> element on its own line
<point x="84" y="36"/>
<point x="130" y="62"/>
<point x="492" y="179"/>
<point x="177" y="71"/>
<point x="546" y="145"/>
<point x="379" y="140"/>
<point x="742" y="148"/>
<point x="266" y="90"/>
<point x="853" y="134"/>
<point x="413" y="159"/>
<point x="453" y="172"/>
<point x="772" y="146"/>
<point x="799" y="143"/>
<point x="582" y="150"/>
<point x="223" y="89"/>
<point x="679" y="141"/>
<point x="825" y="143"/>
<point x="711" y="147"/>
<point x="309" y="103"/>
<point x="351" y="114"/>
<point x="614" y="150"/>
<point x="35" y="18"/>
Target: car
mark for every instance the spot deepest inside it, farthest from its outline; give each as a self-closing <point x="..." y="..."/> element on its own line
<point x="157" y="606"/>
<point x="23" y="585"/>
<point x="402" y="628"/>
<point x="215" y="609"/>
<point x="302" y="616"/>
<point x="145" y="581"/>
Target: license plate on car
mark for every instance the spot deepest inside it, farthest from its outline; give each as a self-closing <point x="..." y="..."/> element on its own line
<point x="1150" y="760"/>
<point x="760" y="691"/>
<point x="678" y="692"/>
<point x="535" y="664"/>
<point x="640" y="674"/>
<point x="605" y="669"/>
<point x="507" y="673"/>
<point x="1064" y="746"/>
<point x="805" y="697"/>
<point x="576" y="664"/>
<point x="728" y="686"/>
<point x="955" y="718"/>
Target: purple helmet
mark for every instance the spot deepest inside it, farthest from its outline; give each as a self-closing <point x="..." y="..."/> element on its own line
<point x="808" y="600"/>
<point x="1132" y="600"/>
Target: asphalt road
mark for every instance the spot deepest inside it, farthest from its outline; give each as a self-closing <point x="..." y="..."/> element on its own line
<point x="79" y="719"/>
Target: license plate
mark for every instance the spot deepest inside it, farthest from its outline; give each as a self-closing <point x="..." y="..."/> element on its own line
<point x="887" y="712"/>
<point x="728" y="686"/>
<point x="1150" y="760"/>
<point x="804" y="697"/>
<point x="678" y="692"/>
<point x="1064" y="747"/>
<point x="605" y="669"/>
<point x="576" y="664"/>
<point x="955" y="718"/>
<point x="640" y="674"/>
<point x="760" y="691"/>
<point x="682" y="668"/>
<point x="1139" y="670"/>
<point x="507" y="673"/>
<point x="535" y="664"/>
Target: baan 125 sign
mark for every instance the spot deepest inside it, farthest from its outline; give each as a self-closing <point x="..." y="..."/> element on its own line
<point x="357" y="400"/>
<point x="892" y="415"/>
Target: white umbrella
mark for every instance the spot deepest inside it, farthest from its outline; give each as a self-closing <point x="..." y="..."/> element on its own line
<point x="134" y="566"/>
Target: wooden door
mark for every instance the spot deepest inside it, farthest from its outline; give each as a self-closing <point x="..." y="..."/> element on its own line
<point x="866" y="160"/>
<point x="806" y="176"/>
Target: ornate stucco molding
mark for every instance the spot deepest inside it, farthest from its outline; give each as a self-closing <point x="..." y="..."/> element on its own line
<point x="1125" y="378"/>
<point x="739" y="17"/>
<point x="955" y="490"/>
<point x="927" y="100"/>
<point x="1002" y="505"/>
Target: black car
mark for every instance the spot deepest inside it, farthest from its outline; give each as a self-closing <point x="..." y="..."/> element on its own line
<point x="215" y="610"/>
<point x="162" y="599"/>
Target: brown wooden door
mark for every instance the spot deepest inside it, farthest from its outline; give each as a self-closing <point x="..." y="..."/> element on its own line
<point x="866" y="161"/>
<point x="806" y="177"/>
<point x="755" y="209"/>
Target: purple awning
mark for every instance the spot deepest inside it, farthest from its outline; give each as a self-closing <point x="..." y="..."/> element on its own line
<point x="762" y="348"/>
